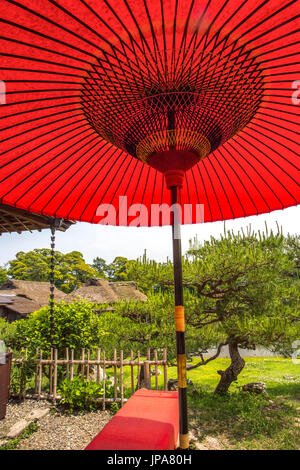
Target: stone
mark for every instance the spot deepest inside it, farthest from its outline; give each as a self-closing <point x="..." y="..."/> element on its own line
<point x="212" y="443"/>
<point x="173" y="384"/>
<point x="17" y="429"/>
<point x="200" y="446"/>
<point x="37" y="414"/>
<point x="93" y="374"/>
<point x="159" y="372"/>
<point x="255" y="387"/>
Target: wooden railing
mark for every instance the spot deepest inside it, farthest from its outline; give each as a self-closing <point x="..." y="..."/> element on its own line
<point x="92" y="365"/>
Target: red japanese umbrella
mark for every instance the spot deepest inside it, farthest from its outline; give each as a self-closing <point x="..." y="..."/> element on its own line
<point x="135" y="98"/>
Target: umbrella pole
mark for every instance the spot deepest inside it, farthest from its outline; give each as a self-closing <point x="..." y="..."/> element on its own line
<point x="179" y="322"/>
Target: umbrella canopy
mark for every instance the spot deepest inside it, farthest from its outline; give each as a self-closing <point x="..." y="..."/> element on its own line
<point x="106" y="99"/>
<point x="91" y="87"/>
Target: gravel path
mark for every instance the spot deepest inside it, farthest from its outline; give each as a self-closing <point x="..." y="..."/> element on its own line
<point x="18" y="410"/>
<point x="56" y="431"/>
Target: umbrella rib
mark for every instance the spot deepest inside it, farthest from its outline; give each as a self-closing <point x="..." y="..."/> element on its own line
<point x="218" y="162"/>
<point x="95" y="154"/>
<point x="110" y="28"/>
<point x="212" y="186"/>
<point x="267" y="156"/>
<point x="44" y="143"/>
<point x="237" y="175"/>
<point x="275" y="132"/>
<point x="38" y="127"/>
<point x="46" y="175"/>
<point x="137" y="183"/>
<point x="58" y="113"/>
<point x="39" y="109"/>
<point x="262" y="164"/>
<point x="43" y="61"/>
<point x="43" y="154"/>
<point x="99" y="184"/>
<point x="115" y="150"/>
<point x="45" y="36"/>
<point x="50" y="72"/>
<point x="154" y="39"/>
<point x="189" y="200"/>
<point x="195" y="184"/>
<point x="247" y="175"/>
<point x="146" y="167"/>
<point x="133" y="170"/>
<point x="217" y="175"/>
<point x="78" y="36"/>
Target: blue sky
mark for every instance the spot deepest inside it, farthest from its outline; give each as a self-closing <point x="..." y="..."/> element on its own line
<point x="109" y="242"/>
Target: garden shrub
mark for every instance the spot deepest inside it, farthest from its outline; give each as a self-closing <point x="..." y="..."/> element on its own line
<point x="80" y="394"/>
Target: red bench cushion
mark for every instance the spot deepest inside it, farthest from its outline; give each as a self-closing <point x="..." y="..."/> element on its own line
<point x="148" y="421"/>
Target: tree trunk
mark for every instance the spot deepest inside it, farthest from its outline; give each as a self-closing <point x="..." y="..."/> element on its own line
<point x="231" y="373"/>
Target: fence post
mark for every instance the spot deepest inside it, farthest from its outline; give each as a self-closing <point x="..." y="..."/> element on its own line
<point x="98" y="365"/>
<point x="165" y="369"/>
<point x="82" y="361"/>
<point x="121" y="377"/>
<point x="156" y="370"/>
<point x="51" y="373"/>
<point x="131" y="372"/>
<point x="88" y="366"/>
<point x="40" y="375"/>
<point x="55" y="376"/>
<point x="147" y="376"/>
<point x="72" y="365"/>
<point x="115" y="375"/>
<point x="36" y="372"/>
<point x="103" y="405"/>
<point x="67" y="366"/>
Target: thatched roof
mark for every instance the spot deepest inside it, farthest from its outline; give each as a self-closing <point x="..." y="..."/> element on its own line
<point x="127" y="290"/>
<point x="101" y="291"/>
<point x="20" y="305"/>
<point x="18" y="220"/>
<point x="36" y="291"/>
<point x="6" y="299"/>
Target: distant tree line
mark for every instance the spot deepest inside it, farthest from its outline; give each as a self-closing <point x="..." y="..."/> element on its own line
<point x="240" y="291"/>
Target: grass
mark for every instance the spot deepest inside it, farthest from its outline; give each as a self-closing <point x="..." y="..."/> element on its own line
<point x="247" y="421"/>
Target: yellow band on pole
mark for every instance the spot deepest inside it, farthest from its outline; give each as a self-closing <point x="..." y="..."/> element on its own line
<point x="184" y="441"/>
<point x="179" y="318"/>
<point x="181" y="364"/>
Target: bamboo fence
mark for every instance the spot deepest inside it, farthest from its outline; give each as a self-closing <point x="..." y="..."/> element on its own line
<point x="92" y="365"/>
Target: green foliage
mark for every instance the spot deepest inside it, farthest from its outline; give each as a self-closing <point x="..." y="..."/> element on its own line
<point x="114" y="407"/>
<point x="7" y="331"/>
<point x="100" y="266"/>
<point x="116" y="270"/>
<point x="244" y="289"/>
<point x="70" y="270"/>
<point x="3" y="275"/>
<point x="139" y="325"/>
<point x="146" y="274"/>
<point x="80" y="394"/>
<point x="76" y="326"/>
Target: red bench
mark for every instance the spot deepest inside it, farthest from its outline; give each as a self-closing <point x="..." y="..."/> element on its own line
<point x="148" y="421"/>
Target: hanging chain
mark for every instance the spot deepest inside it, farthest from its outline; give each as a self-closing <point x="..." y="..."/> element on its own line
<point x="51" y="303"/>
